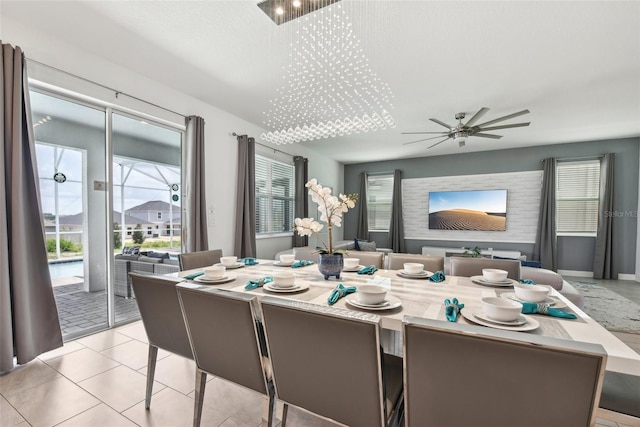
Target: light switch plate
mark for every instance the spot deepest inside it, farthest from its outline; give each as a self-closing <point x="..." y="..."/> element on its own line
<point x="99" y="185"/>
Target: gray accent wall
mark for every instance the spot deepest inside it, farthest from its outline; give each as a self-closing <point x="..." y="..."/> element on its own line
<point x="574" y="253"/>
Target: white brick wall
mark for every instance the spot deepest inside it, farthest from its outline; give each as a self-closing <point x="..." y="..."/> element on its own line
<point x="523" y="204"/>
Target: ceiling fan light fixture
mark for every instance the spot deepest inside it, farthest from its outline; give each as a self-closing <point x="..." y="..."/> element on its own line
<point x="460" y="138"/>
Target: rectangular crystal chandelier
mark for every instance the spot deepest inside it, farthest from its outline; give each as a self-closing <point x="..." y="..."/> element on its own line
<point x="281" y="11"/>
<point x="329" y="88"/>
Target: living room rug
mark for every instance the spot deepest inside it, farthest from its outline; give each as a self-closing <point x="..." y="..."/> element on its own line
<point x="613" y="311"/>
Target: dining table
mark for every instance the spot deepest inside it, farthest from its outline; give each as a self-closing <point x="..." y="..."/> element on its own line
<point x="419" y="296"/>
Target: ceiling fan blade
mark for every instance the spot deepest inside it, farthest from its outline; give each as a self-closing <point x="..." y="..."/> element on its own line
<point x="515" y="125"/>
<point x="487" y="135"/>
<point x="440" y="142"/>
<point x="481" y="112"/>
<point x="417" y="133"/>
<point x="419" y="140"/>
<point x="499" y="119"/>
<point x="441" y="123"/>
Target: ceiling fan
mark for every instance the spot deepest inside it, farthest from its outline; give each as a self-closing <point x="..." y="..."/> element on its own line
<point x="461" y="132"/>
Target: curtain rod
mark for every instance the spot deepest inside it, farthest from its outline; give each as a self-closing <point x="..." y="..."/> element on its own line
<point x="567" y="159"/>
<point x="266" y="146"/>
<point x="383" y="173"/>
<point x="116" y="91"/>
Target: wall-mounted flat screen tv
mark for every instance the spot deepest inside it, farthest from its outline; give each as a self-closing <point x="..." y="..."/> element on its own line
<point x="480" y="210"/>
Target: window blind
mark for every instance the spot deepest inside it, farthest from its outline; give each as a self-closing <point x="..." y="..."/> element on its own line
<point x="577" y="196"/>
<point x="274" y="196"/>
<point x="379" y="194"/>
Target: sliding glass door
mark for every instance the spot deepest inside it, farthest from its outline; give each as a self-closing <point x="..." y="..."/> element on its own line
<point x="109" y="181"/>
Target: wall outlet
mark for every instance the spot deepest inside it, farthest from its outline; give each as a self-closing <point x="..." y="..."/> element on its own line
<point x="99" y="185"/>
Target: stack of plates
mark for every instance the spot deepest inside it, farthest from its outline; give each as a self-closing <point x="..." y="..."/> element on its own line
<point x="501" y="283"/>
<point x="223" y="279"/>
<point x="282" y="264"/>
<point x="548" y="300"/>
<point x="351" y="270"/>
<point x="295" y="288"/>
<point x="523" y="323"/>
<point x="388" y="304"/>
<point x="424" y="274"/>
<point x="236" y="265"/>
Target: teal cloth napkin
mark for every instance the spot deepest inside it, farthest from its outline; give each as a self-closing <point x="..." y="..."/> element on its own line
<point x="301" y="263"/>
<point x="535" y="308"/>
<point x="193" y="275"/>
<point x="368" y="270"/>
<point x="339" y="292"/>
<point x="253" y="284"/>
<point x="527" y="282"/>
<point x="438" y="277"/>
<point x="452" y="309"/>
<point x="248" y="261"/>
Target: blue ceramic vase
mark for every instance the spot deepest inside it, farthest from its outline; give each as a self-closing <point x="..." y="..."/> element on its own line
<point x="330" y="265"/>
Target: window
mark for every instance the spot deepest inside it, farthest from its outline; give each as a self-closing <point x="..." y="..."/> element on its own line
<point x="379" y="194"/>
<point x="274" y="196"/>
<point x="577" y="194"/>
<point x="159" y="215"/>
<point x="149" y="231"/>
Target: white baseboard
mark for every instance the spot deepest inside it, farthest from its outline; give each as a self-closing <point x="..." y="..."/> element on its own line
<point x="624" y="276"/>
<point x="575" y="273"/>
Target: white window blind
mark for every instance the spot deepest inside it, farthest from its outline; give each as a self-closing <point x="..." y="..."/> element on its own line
<point x="274" y="196"/>
<point x="379" y="194"/>
<point x="577" y="195"/>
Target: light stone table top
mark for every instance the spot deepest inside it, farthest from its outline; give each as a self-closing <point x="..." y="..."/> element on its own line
<point x="426" y="299"/>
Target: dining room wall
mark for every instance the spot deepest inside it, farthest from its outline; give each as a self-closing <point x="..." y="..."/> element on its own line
<point x="575" y="253"/>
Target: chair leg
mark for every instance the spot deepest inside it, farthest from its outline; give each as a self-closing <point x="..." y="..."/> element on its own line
<point x="285" y="409"/>
<point x="151" y="372"/>
<point x="272" y="410"/>
<point x="201" y="382"/>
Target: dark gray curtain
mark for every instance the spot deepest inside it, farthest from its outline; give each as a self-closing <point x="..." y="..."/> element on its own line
<point x="29" y="323"/>
<point x="245" y="235"/>
<point x="396" y="228"/>
<point x="362" y="231"/>
<point x="194" y="197"/>
<point x="603" y="258"/>
<point x="546" y="248"/>
<point x="301" y="203"/>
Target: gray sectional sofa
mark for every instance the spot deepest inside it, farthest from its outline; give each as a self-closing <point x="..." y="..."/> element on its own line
<point x="144" y="262"/>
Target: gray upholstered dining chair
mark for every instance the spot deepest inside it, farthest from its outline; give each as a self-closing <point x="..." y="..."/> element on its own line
<point x="467" y="267"/>
<point x="191" y="260"/>
<point x="162" y="319"/>
<point x="464" y="375"/>
<point x="395" y="261"/>
<point x="329" y="362"/>
<point x="367" y="258"/>
<point x="227" y="341"/>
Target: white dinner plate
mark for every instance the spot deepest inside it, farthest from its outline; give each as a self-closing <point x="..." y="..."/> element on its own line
<point x="224" y="279"/>
<point x="424" y="274"/>
<point x="529" y="326"/>
<point x="295" y="288"/>
<point x="521" y="320"/>
<point x="392" y="303"/>
<point x="480" y="280"/>
<point x="236" y="265"/>
<point x="553" y="302"/>
<point x="283" y="264"/>
<point x="354" y="269"/>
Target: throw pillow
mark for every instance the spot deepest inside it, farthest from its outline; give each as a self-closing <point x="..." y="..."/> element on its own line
<point x="367" y="246"/>
<point x="161" y="255"/>
<point x="357" y="243"/>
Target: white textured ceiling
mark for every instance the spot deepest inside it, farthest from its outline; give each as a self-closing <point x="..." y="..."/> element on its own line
<point x="574" y="65"/>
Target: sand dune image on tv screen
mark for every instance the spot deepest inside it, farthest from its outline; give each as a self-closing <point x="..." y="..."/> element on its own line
<point x="467" y="219"/>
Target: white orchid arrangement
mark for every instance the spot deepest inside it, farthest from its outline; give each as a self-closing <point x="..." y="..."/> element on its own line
<point x="331" y="210"/>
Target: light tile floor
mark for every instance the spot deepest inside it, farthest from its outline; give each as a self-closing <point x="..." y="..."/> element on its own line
<point x="99" y="380"/>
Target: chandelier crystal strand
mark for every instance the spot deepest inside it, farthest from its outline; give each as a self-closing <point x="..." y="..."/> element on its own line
<point x="329" y="87"/>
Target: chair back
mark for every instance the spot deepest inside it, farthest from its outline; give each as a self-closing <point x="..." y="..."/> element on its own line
<point x="467" y="267"/>
<point x="395" y="261"/>
<point x="222" y="329"/>
<point x="191" y="260"/>
<point x="306" y="253"/>
<point x="160" y="312"/>
<point x="326" y="360"/>
<point x="470" y="375"/>
<point x="367" y="258"/>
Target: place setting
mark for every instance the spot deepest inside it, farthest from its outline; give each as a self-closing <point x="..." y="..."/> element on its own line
<point x="281" y="281"/>
<point x="230" y="262"/>
<point x="493" y="277"/>
<point x="414" y="270"/>
<point x="533" y="293"/>
<point x="371" y="297"/>
<point x="214" y="275"/>
<point x="501" y="313"/>
<point x="351" y="265"/>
